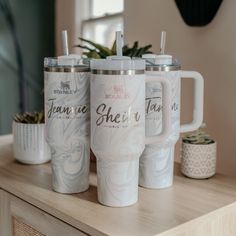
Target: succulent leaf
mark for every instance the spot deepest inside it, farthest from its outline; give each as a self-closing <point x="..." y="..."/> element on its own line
<point x="198" y="137"/>
<point x="104" y="51"/>
<point x="113" y="48"/>
<point x="99" y="51"/>
<point x="30" y="118"/>
<point x="86" y="47"/>
<point x="92" y="54"/>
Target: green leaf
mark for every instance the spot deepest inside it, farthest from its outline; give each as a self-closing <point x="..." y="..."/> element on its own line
<point x="125" y="47"/>
<point x="113" y="48"/>
<point x="99" y="51"/>
<point x="40" y="117"/>
<point x="30" y="118"/>
<point x="133" y="49"/>
<point x="92" y="54"/>
<point x="85" y="47"/>
<point x="137" y="52"/>
<point x="104" y="51"/>
<point x="135" y="45"/>
<point x="127" y="52"/>
<point x="198" y="137"/>
<point x="146" y="48"/>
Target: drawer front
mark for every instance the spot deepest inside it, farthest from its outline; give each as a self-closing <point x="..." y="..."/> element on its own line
<point x="21" y="229"/>
<point x="19" y="218"/>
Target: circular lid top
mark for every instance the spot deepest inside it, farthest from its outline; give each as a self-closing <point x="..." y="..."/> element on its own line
<point x="117" y="63"/>
<point x="66" y="63"/>
<point x="160" y="62"/>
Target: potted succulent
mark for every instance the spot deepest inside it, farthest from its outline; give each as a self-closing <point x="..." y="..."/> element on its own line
<point x="29" y="144"/>
<point x="95" y="50"/>
<point x="198" y="159"/>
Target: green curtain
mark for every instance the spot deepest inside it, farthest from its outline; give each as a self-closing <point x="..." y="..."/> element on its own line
<point x="34" y="28"/>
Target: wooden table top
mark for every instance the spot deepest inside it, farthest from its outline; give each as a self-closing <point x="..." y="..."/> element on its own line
<point x="157" y="211"/>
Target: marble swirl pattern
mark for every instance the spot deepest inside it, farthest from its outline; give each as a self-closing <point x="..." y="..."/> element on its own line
<point x="156" y="162"/>
<point x="117" y="144"/>
<point x="67" y="133"/>
<point x="118" y="182"/>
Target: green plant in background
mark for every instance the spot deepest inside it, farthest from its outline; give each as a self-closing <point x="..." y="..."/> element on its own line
<point x="95" y="50"/>
<point x="198" y="137"/>
<point x="30" y="118"/>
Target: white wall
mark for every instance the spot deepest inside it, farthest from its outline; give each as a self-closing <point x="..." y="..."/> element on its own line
<point x="210" y="50"/>
<point x="69" y="15"/>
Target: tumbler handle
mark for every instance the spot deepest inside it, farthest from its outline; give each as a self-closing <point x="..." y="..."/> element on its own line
<point x="166" y="109"/>
<point x="197" y="101"/>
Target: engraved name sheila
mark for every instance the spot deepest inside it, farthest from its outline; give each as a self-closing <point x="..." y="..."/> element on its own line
<point x="107" y="115"/>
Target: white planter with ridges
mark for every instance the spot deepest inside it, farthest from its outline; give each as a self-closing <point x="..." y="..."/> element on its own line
<point x="29" y="145"/>
<point x="198" y="160"/>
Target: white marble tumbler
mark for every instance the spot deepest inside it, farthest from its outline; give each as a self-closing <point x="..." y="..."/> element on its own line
<point x="118" y="125"/>
<point x="67" y="118"/>
<point x="157" y="160"/>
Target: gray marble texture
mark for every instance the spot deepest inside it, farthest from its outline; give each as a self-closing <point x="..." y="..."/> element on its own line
<point x="67" y="115"/>
<point x="117" y="135"/>
<point x="156" y="162"/>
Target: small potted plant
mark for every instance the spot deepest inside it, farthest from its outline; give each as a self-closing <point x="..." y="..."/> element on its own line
<point x="95" y="50"/>
<point x="29" y="144"/>
<point x="198" y="158"/>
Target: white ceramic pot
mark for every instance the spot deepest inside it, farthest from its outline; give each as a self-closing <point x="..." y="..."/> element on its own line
<point x="29" y="144"/>
<point x="198" y="160"/>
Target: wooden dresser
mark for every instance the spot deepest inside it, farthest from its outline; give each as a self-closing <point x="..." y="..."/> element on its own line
<point x="28" y="206"/>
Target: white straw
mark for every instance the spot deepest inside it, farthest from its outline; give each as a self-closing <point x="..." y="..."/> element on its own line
<point x="64" y="38"/>
<point x="163" y="42"/>
<point x="119" y="43"/>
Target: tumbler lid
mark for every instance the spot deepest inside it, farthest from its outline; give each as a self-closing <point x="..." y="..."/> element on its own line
<point x="70" y="63"/>
<point x="117" y="65"/>
<point x="162" y="62"/>
<point x="159" y="59"/>
<point x="69" y="60"/>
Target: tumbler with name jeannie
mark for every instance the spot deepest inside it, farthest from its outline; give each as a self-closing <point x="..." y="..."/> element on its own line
<point x="67" y="118"/>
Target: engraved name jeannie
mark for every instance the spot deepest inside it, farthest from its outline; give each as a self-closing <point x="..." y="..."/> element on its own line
<point x="81" y="109"/>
